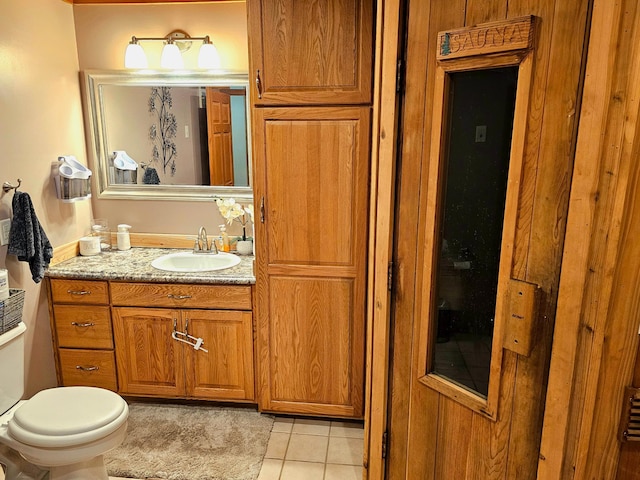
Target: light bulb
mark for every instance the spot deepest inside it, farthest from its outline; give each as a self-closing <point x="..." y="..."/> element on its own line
<point x="134" y="56"/>
<point x="171" y="57"/>
<point x="208" y="56"/>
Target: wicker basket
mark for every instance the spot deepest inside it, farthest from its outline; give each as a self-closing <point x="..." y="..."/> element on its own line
<point x="11" y="310"/>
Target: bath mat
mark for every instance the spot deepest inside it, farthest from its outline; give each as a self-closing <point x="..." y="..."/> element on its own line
<point x="191" y="442"/>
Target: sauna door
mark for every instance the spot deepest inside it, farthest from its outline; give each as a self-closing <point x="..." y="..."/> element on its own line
<point x="487" y="152"/>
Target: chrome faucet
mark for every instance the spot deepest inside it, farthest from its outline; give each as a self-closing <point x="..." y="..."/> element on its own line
<point x="202" y="244"/>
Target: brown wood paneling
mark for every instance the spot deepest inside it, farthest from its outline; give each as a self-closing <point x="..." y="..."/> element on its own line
<point x="482" y="11"/>
<point x="149" y="360"/>
<point x="593" y="346"/>
<point x="95" y="292"/>
<point x="454" y="431"/>
<point x="316" y="350"/>
<point x="556" y="87"/>
<point x="507" y="447"/>
<point x="83" y="326"/>
<point x="234" y="297"/>
<point x="421" y="429"/>
<point x="225" y="371"/>
<point x="93" y="368"/>
<point x="298" y="48"/>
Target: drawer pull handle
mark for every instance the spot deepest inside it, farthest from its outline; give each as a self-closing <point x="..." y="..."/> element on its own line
<point x="87" y="369"/>
<point x="78" y="292"/>
<point x="86" y="324"/>
<point x="178" y="297"/>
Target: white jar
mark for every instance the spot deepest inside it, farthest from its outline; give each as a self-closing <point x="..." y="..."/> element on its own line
<point x="89" y="246"/>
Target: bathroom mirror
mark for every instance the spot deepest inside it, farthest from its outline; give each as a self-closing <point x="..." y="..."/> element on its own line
<point x="166" y="135"/>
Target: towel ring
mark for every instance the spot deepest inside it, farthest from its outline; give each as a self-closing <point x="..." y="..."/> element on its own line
<point x="7" y="187"/>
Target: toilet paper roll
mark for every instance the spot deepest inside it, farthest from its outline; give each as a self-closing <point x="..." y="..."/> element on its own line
<point x="4" y="284"/>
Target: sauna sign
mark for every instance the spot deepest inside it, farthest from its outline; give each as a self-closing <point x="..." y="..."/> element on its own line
<point x="495" y="37"/>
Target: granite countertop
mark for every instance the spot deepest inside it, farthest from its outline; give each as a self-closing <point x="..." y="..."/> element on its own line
<point x="135" y="265"/>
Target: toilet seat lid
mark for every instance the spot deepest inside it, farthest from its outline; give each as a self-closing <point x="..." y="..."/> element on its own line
<point x="67" y="415"/>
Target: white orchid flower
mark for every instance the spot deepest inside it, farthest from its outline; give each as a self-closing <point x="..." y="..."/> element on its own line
<point x="229" y="209"/>
<point x="249" y="210"/>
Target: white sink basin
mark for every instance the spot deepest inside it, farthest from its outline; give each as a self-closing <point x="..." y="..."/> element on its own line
<point x="195" y="262"/>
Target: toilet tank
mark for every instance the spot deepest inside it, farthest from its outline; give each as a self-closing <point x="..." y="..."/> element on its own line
<point x="11" y="367"/>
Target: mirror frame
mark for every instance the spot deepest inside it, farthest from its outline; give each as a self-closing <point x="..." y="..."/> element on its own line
<point x="97" y="138"/>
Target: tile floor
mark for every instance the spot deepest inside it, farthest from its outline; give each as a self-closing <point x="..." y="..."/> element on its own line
<point x="308" y="449"/>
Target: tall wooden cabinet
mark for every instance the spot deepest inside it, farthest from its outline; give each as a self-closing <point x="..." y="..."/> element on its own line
<point x="311" y="137"/>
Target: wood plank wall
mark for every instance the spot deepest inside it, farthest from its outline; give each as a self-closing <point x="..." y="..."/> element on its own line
<point x="596" y="341"/>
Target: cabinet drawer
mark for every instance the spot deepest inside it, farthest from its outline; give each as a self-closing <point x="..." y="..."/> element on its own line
<point x="236" y="297"/>
<point x="80" y="291"/>
<point x="94" y="368"/>
<point x="83" y="326"/>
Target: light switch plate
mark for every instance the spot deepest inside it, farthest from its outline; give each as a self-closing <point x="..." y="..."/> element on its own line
<point x="5" y="226"/>
<point x="481" y="133"/>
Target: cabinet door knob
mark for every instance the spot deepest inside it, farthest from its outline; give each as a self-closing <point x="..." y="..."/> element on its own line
<point x="89" y="368"/>
<point x="259" y="84"/>
<point x="178" y="297"/>
<point x="86" y="324"/>
<point x="262" y="210"/>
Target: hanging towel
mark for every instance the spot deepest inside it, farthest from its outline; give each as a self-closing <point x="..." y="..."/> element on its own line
<point x="151" y="176"/>
<point x="27" y="239"/>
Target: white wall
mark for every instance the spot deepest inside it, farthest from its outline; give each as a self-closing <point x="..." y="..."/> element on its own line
<point x="40" y="119"/>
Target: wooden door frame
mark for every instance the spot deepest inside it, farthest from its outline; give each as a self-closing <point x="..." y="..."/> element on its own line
<point x="381" y="218"/>
<point x="604" y="216"/>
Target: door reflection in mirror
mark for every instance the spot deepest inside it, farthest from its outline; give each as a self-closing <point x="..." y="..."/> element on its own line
<point x="474" y="181"/>
<point x="178" y="135"/>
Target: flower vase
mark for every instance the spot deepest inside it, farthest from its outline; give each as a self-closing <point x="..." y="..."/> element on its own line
<point x="244" y="247"/>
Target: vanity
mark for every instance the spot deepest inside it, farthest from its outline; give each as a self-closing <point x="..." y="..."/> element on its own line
<point x="120" y="324"/>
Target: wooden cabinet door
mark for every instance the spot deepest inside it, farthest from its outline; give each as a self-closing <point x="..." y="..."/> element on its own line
<point x="225" y="370"/>
<point x="311" y="175"/>
<point x="304" y="52"/>
<point x="219" y="129"/>
<point x="149" y="361"/>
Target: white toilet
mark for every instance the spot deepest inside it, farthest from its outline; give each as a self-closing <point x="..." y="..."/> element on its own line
<point x="65" y="430"/>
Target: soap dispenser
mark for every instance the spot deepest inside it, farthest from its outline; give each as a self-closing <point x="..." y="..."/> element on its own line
<point x="124" y="240"/>
<point x="225" y="239"/>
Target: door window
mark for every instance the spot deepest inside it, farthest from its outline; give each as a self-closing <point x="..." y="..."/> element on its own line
<point x="480" y="107"/>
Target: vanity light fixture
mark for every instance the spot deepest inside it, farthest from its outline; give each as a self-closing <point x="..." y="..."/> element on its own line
<point x="176" y="43"/>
